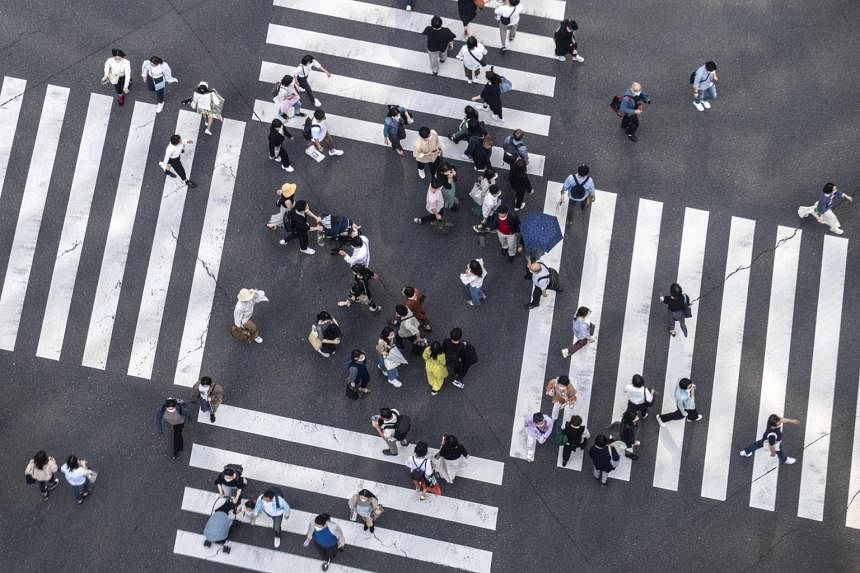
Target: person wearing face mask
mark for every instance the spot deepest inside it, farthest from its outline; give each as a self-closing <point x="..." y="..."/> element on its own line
<point x="357" y="376"/>
<point x="327" y="536"/>
<point x="631" y="107"/>
<point x="118" y="73"/>
<point x="209" y="395"/>
<point x="231" y="484"/>
<point x="173" y="412"/>
<point x="365" y="505"/>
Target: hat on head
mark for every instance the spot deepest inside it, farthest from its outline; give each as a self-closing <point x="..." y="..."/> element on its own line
<point x="245" y="295"/>
<point x="288" y="190"/>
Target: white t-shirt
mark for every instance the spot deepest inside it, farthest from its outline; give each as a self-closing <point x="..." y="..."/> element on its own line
<point x="77" y="476"/>
<point x="318" y="130"/>
<point x="469" y="61"/>
<point x="638" y="395"/>
<point x="302" y="71"/>
<point x="512" y="12"/>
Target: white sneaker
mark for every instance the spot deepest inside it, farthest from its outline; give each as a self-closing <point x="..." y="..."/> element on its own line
<point x="333" y="152"/>
<point x="277" y="542"/>
<point x="421" y="174"/>
<point x="465" y="157"/>
<point x="159" y="107"/>
<point x="745" y="454"/>
<point x="698" y="105"/>
<point x="409" y="8"/>
<point x="396" y="383"/>
<point x="497" y="119"/>
<point x="344" y="303"/>
<point x="288" y="168"/>
<point x="661" y="422"/>
<point x="837" y="231"/>
<point x="457" y="384"/>
<point x="579" y="58"/>
<point x="521" y="207"/>
<point x="789" y="461"/>
<point x="308" y="251"/>
<point x="706" y="104"/>
<point x="560" y="58"/>
<point x="469" y="82"/>
<point x="317" y="103"/>
<point x="259" y="340"/>
<point x="565" y="352"/>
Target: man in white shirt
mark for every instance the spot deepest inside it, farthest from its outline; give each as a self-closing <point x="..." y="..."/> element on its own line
<point x="307" y="64"/>
<point x="172" y="161"/>
<point x="508" y="16"/>
<point x="320" y="137"/>
<point x="360" y="252"/>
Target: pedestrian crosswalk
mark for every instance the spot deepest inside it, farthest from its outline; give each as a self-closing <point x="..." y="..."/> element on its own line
<point x="75" y="228"/>
<point x="667" y="458"/>
<point x="302" y="483"/>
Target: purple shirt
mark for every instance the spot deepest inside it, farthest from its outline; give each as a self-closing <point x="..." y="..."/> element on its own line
<point x="536" y="432"/>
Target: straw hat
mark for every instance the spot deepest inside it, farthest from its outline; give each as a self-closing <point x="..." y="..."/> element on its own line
<point x="246" y="294"/>
<point x="288" y="190"/>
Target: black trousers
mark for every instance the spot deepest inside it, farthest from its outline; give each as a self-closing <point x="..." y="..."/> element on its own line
<point x="302" y="237"/>
<point x="429" y="218"/>
<point x="641" y="409"/>
<point x="679" y="415"/>
<point x="176" y="163"/>
<point x="178" y="443"/>
<point x="568" y="449"/>
<point x="306" y="85"/>
<point x="537" y="292"/>
<point x="630" y="122"/>
<point x="120" y="84"/>
<point x="461" y="369"/>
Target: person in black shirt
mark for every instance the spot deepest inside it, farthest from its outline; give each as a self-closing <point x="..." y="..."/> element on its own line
<point x="439" y="41"/>
<point x="565" y="41"/>
<point x="277" y="134"/>
<point x="677" y="308"/>
<point x="491" y="95"/>
<point x="329" y="333"/>
<point x="459" y="356"/>
<point x="360" y="290"/>
<point x="230" y="483"/>
<point x="451" y="458"/>
<point x="575" y="437"/>
<point x="520" y="182"/>
<point x="480" y="150"/>
<point x="629" y="424"/>
<point x="299" y="227"/>
<point x="470" y="126"/>
<point x="773" y="437"/>
<point x="468" y="10"/>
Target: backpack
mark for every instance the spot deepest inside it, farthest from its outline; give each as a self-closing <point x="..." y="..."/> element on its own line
<point x="418" y="474"/>
<point x="279" y="495"/>
<point x="505" y="85"/>
<point x="692" y="78"/>
<point x="578" y="192"/>
<point x="238" y="469"/>
<point x="306" y="130"/>
<point x="616" y="105"/>
<point x="401" y="427"/>
<point x="554" y="283"/>
<point x="277" y="89"/>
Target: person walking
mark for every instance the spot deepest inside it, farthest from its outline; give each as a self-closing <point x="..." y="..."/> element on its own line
<point x="299" y="227"/>
<point x="583" y="332"/>
<point x="208" y="395"/>
<point x="446" y="178"/>
<point x="470" y="126"/>
<point x="272" y="503"/>
<point x="244" y="328"/>
<point x="357" y="376"/>
<point x="173" y="412"/>
<point x="562" y="393"/>
<point x="427" y="151"/>
<point x="823" y="210"/>
<point x="773" y="436"/>
<point x="541" y="276"/>
<point x="451" y="458"/>
<point x="639" y="398"/>
<point x="473" y="278"/>
<point x="685" y="401"/>
<point x="231" y="483"/>
<point x="156" y="73"/>
<point x="513" y="147"/>
<point x="392" y="427"/>
<point x="389" y="356"/>
<point x="565" y="41"/>
<point x="208" y="103"/>
<point x="480" y="151"/>
<point x="481" y="187"/>
<point x="422" y="472"/>
<point x="492" y="202"/>
<point x="631" y="108"/>
<point x="359" y="292"/>
<point x="604" y="458"/>
<point x="360" y="254"/>
<point x="575" y="437"/>
<point x="288" y="103"/>
<point x="173" y="162"/>
<point x="467" y="10"/>
<point x="629" y="427"/>
<point x="41" y="469"/>
<point x="278" y="135"/>
<point x="365" y="505"/>
<point x="538" y="430"/>
<point x="303" y="70"/>
<point x="578" y="189"/>
<point x="518" y="177"/>
<point x="434" y="204"/>
<point x="414" y="301"/>
<point x="78" y="475"/>
<point x="117" y="72"/>
<point x="677" y="309"/>
<point x="460" y="356"/>
<point x="472" y="54"/>
<point x="394" y="127"/>
<point x="327" y="536"/>
<point x="508" y="232"/>
<point x="508" y="15"/>
<point x="439" y="40"/>
<point x="704" y="81"/>
<point x="408" y="328"/>
<point x="491" y="95"/>
<point x="320" y="136"/>
<point x="285" y="203"/>
<point x="328" y="333"/>
<point x="435" y="366"/>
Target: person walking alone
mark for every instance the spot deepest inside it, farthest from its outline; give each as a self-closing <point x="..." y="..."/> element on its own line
<point x="174" y="413"/>
<point x="278" y="135"/>
<point x="773" y="437"/>
<point x="460" y="356"/>
<point x="439" y="40"/>
<point x="639" y="398"/>
<point x="518" y="177"/>
<point x="157" y="74"/>
<point x="677" y="309"/>
<point x="704" y="81"/>
<point x="208" y="395"/>
<point x="473" y="278"/>
<point x="565" y="41"/>
<point x="472" y="54"/>
<point x="583" y="332"/>
<point x="273" y="504"/>
<point x="392" y="427"/>
<point x="685" y="400"/>
<point x="302" y="72"/>
<point x="208" y="103"/>
<point x="41" y="470"/>
<point x="360" y="290"/>
<point x="508" y="231"/>
<point x="327" y="537"/>
<point x="578" y="189"/>
<point x="538" y="430"/>
<point x="491" y="95"/>
<point x="365" y="505"/>
<point x="243" y="327"/>
<point x="173" y="162"/>
<point x="575" y="437"/>
<point x="434" y="204"/>
<point x="435" y="366"/>
<point x="508" y="16"/>
<point x="823" y="210"/>
<point x="631" y="108"/>
<point x="394" y="127"/>
<point x="117" y="72"/>
<point x="604" y="458"/>
<point x="451" y="458"/>
<point x="467" y="10"/>
<point x="427" y="151"/>
<point x="357" y="376"/>
<point x="320" y="137"/>
<point x="414" y="301"/>
<point x="470" y="126"/>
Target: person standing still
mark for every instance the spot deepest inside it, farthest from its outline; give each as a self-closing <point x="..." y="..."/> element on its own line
<point x="301" y="73"/>
<point x="677" y="309"/>
<point x="439" y="40"/>
<point x="118" y="73"/>
<point x="508" y="231"/>
<point x="704" y="81"/>
<point x="508" y="16"/>
<point x="243" y="327"/>
<point x="773" y="437"/>
<point x="389" y="357"/>
<point x="823" y="210"/>
<point x="157" y="74"/>
<point x="174" y="413"/>
<point x="427" y="151"/>
<point x="685" y="400"/>
<point x="631" y="107"/>
<point x="208" y="395"/>
<point x="173" y="162"/>
<point x="42" y="469"/>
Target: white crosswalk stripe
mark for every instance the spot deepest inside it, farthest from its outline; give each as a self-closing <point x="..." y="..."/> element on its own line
<point x="553" y="9"/>
<point x="382" y="540"/>
<point x="11" y="96"/>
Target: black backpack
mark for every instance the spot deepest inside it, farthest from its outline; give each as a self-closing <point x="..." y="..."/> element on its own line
<point x="306" y="130"/>
<point x="578" y="190"/>
<point x="238" y="469"/>
<point x="418" y="474"/>
<point x="692" y="78"/>
<point x="279" y="494"/>
<point x="401" y="427"/>
<point x="554" y="282"/>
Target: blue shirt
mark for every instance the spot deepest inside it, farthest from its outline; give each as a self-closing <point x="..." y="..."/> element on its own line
<point x="629" y="101"/>
<point x="827" y="202"/>
<point x="587" y="183"/>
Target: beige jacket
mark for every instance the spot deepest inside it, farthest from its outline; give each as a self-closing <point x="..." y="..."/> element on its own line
<point x="427" y="150"/>
<point x="216" y="394"/>
<point x="44" y="474"/>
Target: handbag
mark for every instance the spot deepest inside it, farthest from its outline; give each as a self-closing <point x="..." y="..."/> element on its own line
<point x="481" y="61"/>
<point x="29" y="479"/>
<point x="506" y="20"/>
<point x="314" y="339"/>
<point x="401" y="131"/>
<point x="688" y="311"/>
<point x="559" y="437"/>
<point x="92" y="475"/>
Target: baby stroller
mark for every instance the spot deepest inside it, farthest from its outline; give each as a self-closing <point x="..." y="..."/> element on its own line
<point x="337" y="228"/>
<point x="218" y="526"/>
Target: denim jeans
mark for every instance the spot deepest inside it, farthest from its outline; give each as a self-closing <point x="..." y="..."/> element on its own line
<point x="78" y="490"/>
<point x="390" y="373"/>
<point x="477" y="295"/>
<point x="707" y="94"/>
<point x="760" y="443"/>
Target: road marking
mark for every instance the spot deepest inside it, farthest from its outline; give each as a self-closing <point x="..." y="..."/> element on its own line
<point x="11" y="96"/>
<point x="74" y="227"/>
<point x="413" y="100"/>
<point x="822" y="380"/>
<point x="637" y="313"/>
<point x="852" y="514"/>
<point x="371" y="132"/>
<point x="384" y="55"/>
<point x="679" y="363"/>
<point x="343" y="486"/>
<point x="208" y="260"/>
<point x="161" y="256"/>
<point x="30" y="216"/>
<point x="592" y="288"/>
<point x="251" y="557"/>
<point x="335" y="439"/>
<point x="119" y="234"/>
<point x="398" y="19"/>
<point x="538" y="330"/>
<point x="776" y="360"/>
<point x="719" y="449"/>
<point x="552" y="9"/>
<point x="382" y="540"/>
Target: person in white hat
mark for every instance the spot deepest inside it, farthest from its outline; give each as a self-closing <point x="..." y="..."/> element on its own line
<point x="243" y="327"/>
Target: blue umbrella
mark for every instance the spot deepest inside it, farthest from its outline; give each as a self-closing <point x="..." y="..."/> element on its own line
<point x="540" y="232"/>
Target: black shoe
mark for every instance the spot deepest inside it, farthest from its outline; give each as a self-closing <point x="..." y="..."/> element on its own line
<point x="225" y="549"/>
<point x="388" y="452"/>
<point x="191" y="184"/>
<point x="632" y="137"/>
<point x="212" y="418"/>
<point x="531" y="306"/>
<point x="169" y="174"/>
<point x="511" y="258"/>
<point x="372" y="528"/>
<point x="365" y="527"/>
<point x="52" y="484"/>
<point x="455" y="208"/>
<point x="174" y="457"/>
<point x="207" y="543"/>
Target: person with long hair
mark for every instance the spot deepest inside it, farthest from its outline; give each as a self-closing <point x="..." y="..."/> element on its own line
<point x="77" y="476"/>
<point x="278" y="135"/>
<point x="473" y="278"/>
<point x="286" y="97"/>
<point x="365" y="505"/>
<point x="389" y="357"/>
<point x="451" y="458"/>
<point x="118" y="73"/>
<point x="677" y="307"/>
<point x="208" y="103"/>
<point x="41" y="469"/>
<point x="157" y="74"/>
<point x="434" y="366"/>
